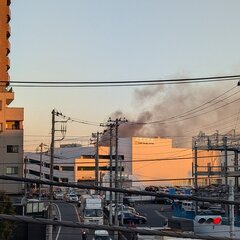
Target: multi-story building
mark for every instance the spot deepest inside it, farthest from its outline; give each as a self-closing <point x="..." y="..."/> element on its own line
<point x="155" y="160"/>
<point x="143" y="161"/>
<point x="71" y="164"/>
<point x="11" y="119"/>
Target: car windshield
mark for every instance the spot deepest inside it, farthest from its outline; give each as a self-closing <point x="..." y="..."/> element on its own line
<point x="72" y="195"/>
<point x="93" y="213"/>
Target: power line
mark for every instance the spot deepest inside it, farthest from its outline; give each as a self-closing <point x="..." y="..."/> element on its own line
<point x="71" y="224"/>
<point x="123" y="83"/>
<point x="120" y="190"/>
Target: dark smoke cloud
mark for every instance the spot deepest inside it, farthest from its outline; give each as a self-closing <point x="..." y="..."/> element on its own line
<point x="163" y="102"/>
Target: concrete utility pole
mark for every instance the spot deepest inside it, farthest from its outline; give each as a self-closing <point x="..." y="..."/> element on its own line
<point x="110" y="176"/>
<point x="50" y="212"/>
<point x="116" y="173"/>
<point x="51" y="176"/>
<point x="231" y="209"/>
<point x="25" y="185"/>
<point x="115" y="123"/>
<point x="196" y="175"/>
<point x="236" y="168"/>
<point x="97" y="160"/>
<point x="25" y="175"/>
<point x="40" y="170"/>
<point x="96" y="135"/>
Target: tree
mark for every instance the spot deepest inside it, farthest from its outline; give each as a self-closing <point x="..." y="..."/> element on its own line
<point x="6" y="207"/>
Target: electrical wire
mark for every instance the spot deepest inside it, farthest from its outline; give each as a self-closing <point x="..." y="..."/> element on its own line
<point x="128" y="82"/>
<point x="43" y="221"/>
<point x="120" y="190"/>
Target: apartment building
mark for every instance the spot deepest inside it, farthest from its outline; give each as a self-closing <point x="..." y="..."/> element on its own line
<point x="11" y="119"/>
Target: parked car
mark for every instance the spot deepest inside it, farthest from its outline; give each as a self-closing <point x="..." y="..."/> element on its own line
<point x="123" y="208"/>
<point x="215" y="209"/>
<point x="129" y="217"/>
<point x="101" y="235"/>
<point x="163" y="200"/>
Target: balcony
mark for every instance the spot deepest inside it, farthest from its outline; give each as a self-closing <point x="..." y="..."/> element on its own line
<point x="14" y="114"/>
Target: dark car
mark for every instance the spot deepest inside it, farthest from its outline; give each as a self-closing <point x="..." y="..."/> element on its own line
<point x="216" y="210"/>
<point x="133" y="218"/>
<point x="163" y="200"/>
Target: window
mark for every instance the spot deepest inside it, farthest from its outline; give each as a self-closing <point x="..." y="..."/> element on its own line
<point x="12" y="125"/>
<point x="35" y="173"/>
<point x="67" y="168"/>
<point x="11" y="170"/>
<point x="87" y="168"/>
<point x="33" y="161"/>
<point x="64" y="179"/>
<point x="12" y="148"/>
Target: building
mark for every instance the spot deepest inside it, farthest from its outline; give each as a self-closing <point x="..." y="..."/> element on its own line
<point x="11" y="119"/>
<point x="71" y="164"/>
<point x="143" y="160"/>
<point x="155" y="160"/>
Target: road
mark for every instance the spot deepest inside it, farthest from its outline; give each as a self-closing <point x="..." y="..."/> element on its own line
<point x="68" y="212"/>
<point x="156" y="217"/>
<point x="156" y="214"/>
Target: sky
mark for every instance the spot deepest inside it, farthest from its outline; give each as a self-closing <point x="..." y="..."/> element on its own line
<point x="92" y="40"/>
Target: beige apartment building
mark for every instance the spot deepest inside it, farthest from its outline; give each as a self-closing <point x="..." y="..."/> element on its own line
<point x="11" y="119"/>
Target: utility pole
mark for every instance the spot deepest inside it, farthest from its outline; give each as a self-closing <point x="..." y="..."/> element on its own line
<point x="96" y="135"/>
<point x="25" y="186"/>
<point x="226" y="169"/>
<point x="110" y="125"/>
<point x="25" y="175"/>
<point x="196" y="175"/>
<point x="231" y="210"/>
<point x="236" y="168"/>
<point x="97" y="161"/>
<point x="115" y="123"/>
<point x="40" y="176"/>
<point x="40" y="168"/>
<point x="50" y="212"/>
<point x="51" y="176"/>
<point x="110" y="177"/>
<point x="116" y="173"/>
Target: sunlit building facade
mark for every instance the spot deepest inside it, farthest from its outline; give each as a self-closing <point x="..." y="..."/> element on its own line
<point x="144" y="161"/>
<point x="71" y="164"/>
<point x="156" y="162"/>
<point x="11" y="119"/>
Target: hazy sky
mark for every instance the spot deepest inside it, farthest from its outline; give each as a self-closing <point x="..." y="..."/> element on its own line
<point x="92" y="40"/>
